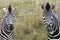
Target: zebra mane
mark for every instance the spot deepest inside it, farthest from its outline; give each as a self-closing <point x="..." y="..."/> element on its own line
<point x="47" y="6"/>
<point x="9" y="8"/>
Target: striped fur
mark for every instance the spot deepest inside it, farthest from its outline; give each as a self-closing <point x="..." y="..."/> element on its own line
<point x="51" y="22"/>
<point x="6" y="25"/>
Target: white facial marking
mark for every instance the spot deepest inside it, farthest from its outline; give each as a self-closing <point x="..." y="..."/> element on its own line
<point x="43" y="17"/>
<point x="46" y="25"/>
<point x="51" y="17"/>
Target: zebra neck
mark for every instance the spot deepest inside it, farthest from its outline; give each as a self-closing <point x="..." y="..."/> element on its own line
<point x="55" y="35"/>
<point x="5" y="35"/>
<point x="7" y="31"/>
<point x="55" y="32"/>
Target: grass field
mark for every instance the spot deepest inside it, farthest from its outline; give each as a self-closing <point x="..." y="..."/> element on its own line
<point x="28" y="24"/>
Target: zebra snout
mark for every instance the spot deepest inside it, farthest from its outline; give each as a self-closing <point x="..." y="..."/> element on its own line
<point x="11" y="26"/>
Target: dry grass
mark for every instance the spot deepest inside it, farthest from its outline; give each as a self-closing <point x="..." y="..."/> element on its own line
<point x="28" y="23"/>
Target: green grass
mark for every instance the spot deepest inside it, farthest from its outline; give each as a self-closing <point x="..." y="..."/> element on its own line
<point x="28" y="23"/>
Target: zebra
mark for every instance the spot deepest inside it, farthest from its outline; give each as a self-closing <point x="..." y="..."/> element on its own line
<point x="51" y="21"/>
<point x="6" y="24"/>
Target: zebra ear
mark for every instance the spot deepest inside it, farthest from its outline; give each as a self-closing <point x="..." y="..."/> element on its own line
<point x="42" y="6"/>
<point x="13" y="9"/>
<point x="53" y="6"/>
<point x="4" y="9"/>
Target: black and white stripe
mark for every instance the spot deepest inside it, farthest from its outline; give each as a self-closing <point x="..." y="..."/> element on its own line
<point x="54" y="28"/>
<point x="6" y="25"/>
<point x="51" y="22"/>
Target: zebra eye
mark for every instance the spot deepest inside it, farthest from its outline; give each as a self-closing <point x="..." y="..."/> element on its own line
<point x="6" y="20"/>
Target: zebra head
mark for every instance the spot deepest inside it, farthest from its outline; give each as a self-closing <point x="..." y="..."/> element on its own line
<point x="47" y="16"/>
<point x="47" y="7"/>
<point x="8" y="18"/>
